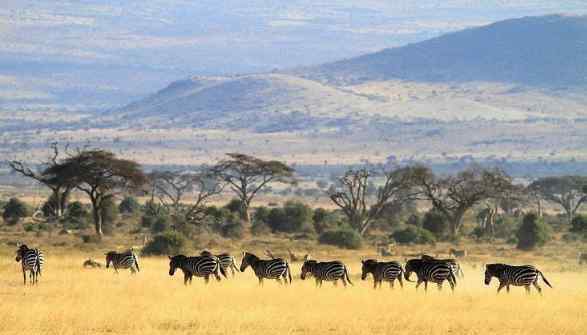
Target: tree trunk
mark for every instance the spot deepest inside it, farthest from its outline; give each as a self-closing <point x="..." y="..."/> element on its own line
<point x="244" y="213"/>
<point x="455" y="223"/>
<point x="97" y="218"/>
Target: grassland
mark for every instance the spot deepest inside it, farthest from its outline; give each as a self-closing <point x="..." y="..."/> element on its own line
<point x="71" y="300"/>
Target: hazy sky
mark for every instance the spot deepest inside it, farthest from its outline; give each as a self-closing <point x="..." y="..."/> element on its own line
<point x="84" y="51"/>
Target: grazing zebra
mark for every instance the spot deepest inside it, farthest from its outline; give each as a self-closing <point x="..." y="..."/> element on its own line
<point x="32" y="260"/>
<point x="199" y="266"/>
<point x="326" y="271"/>
<point x="454" y="265"/>
<point x="125" y="260"/>
<point x="227" y="261"/>
<point x="382" y="271"/>
<point x="430" y="271"/>
<point x="507" y="275"/>
<point x="275" y="268"/>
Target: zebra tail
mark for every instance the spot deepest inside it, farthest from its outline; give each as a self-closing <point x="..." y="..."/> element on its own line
<point x="348" y="278"/>
<point x="544" y="278"/>
<point x="288" y="271"/>
<point x="222" y="271"/>
<point x="136" y="261"/>
<point x="38" y="262"/>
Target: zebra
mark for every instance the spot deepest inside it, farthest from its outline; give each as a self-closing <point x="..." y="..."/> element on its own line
<point x="275" y="268"/>
<point x="456" y="268"/>
<point x="326" y="271"/>
<point x="524" y="275"/>
<point x="199" y="266"/>
<point x="125" y="260"/>
<point x="226" y="260"/>
<point x="382" y="271"/>
<point x="430" y="271"/>
<point x="32" y="260"/>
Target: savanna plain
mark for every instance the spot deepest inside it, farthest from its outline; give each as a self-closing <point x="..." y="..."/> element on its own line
<point x="73" y="300"/>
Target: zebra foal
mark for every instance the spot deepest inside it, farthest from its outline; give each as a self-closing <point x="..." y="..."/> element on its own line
<point x="275" y="268"/>
<point x="31" y="260"/>
<point x="124" y="260"/>
<point x="382" y="271"/>
<point x="511" y="275"/>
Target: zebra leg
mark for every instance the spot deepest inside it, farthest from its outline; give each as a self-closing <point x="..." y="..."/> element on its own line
<point x="24" y="275"/>
<point x="207" y="279"/>
<point x="426" y="286"/>
<point x="418" y="284"/>
<point x="527" y="288"/>
<point x="507" y="288"/>
<point x="260" y="281"/>
<point x="501" y="286"/>
<point x="392" y="283"/>
<point x="335" y="283"/>
<point x="279" y="280"/>
<point x="344" y="282"/>
<point x="185" y="278"/>
<point x="439" y="286"/>
<point x="401" y="281"/>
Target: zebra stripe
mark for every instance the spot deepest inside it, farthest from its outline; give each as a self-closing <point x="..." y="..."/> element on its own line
<point x="507" y="275"/>
<point x="382" y="271"/>
<point x="32" y="260"/>
<point x="227" y="261"/>
<point x="199" y="266"/>
<point x="430" y="271"/>
<point x="326" y="271"/>
<point x="125" y="260"/>
<point x="276" y="268"/>
<point x="454" y="265"/>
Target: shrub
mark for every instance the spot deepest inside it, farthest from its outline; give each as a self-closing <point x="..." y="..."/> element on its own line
<point x="260" y="228"/>
<point x="435" y="222"/>
<point x="234" y="205"/>
<point x="158" y="224"/>
<point x="325" y="220"/>
<point x="506" y="227"/>
<point x="76" y="216"/>
<point x="414" y="220"/>
<point x="343" y="238"/>
<point x="579" y="224"/>
<point x="129" y="206"/>
<point x="232" y="230"/>
<point x="532" y="233"/>
<point x="413" y="235"/>
<point x="15" y="210"/>
<point x="167" y="243"/>
<point x="261" y="215"/>
<point x="294" y="216"/>
<point x="109" y="214"/>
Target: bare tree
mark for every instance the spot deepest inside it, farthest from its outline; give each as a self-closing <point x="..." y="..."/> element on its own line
<point x="172" y="188"/>
<point x="60" y="190"/>
<point x="569" y="192"/>
<point x="454" y="195"/>
<point x="100" y="175"/>
<point x="247" y="175"/>
<point x="351" y="196"/>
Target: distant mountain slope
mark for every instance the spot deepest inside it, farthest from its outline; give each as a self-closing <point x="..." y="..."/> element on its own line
<point x="541" y="51"/>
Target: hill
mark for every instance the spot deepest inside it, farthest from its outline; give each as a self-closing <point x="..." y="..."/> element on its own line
<point x="546" y="51"/>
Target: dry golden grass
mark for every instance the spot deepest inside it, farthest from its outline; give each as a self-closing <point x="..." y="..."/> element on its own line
<point x="71" y="300"/>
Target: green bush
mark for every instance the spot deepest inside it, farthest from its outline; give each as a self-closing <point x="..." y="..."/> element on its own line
<point x="435" y="222"/>
<point x="413" y="235"/>
<point x="157" y="224"/>
<point x="76" y="216"/>
<point x="129" y="206"/>
<point x="506" y="227"/>
<point x="232" y="230"/>
<point x="324" y="220"/>
<point x="261" y="215"/>
<point x="260" y="228"/>
<point x="294" y="216"/>
<point x="167" y="243"/>
<point x="342" y="238"/>
<point x="234" y="205"/>
<point x="579" y="224"/>
<point x="532" y="233"/>
<point x="15" y="210"/>
<point x="109" y="212"/>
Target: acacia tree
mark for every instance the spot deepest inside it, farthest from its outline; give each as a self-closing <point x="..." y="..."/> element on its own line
<point x="505" y="196"/>
<point x="352" y="196"/>
<point x="569" y="192"/>
<point x="247" y="175"/>
<point x="101" y="175"/>
<point x="173" y="187"/>
<point x="60" y="190"/>
<point x="453" y="196"/>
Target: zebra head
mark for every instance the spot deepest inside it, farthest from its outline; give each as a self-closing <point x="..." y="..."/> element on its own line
<point x="368" y="266"/>
<point x="307" y="268"/>
<point x="492" y="270"/>
<point x="206" y="253"/>
<point x="248" y="259"/>
<point x="110" y="258"/>
<point x="20" y="251"/>
<point x="176" y="262"/>
<point x="411" y="266"/>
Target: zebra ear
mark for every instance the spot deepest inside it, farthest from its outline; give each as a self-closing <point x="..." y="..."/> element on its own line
<point x="169" y="257"/>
